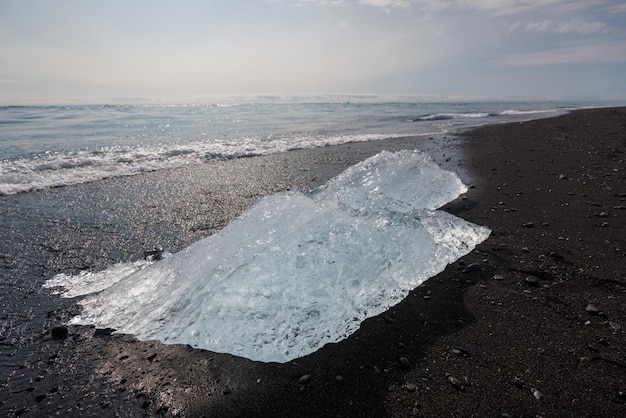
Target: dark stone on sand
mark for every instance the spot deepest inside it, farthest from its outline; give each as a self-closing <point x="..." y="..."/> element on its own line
<point x="528" y="225"/>
<point x="556" y="256"/>
<point x="59" y="333"/>
<point x="532" y="280"/>
<point x="304" y="379"/>
<point x="389" y="319"/>
<point x="404" y="363"/>
<point x="153" y="254"/>
<point x="410" y="387"/>
<point x="461" y="351"/>
<point x="518" y="382"/>
<point x="474" y="267"/>
<point x="498" y="277"/>
<point x="615" y="326"/>
<point x="456" y="382"/>
<point x="227" y="391"/>
<point x="103" y="332"/>
<point x="339" y="378"/>
<point x="592" y="309"/>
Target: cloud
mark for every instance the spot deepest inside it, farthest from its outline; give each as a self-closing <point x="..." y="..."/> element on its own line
<point x="386" y="4"/>
<point x="321" y="2"/>
<point x="506" y="7"/>
<point x="494" y="7"/>
<point x="610" y="52"/>
<point x="490" y="7"/>
<point x="618" y="8"/>
<point x="572" y="26"/>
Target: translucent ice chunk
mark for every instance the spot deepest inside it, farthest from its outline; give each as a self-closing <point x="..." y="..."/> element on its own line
<point x="400" y="182"/>
<point x="295" y="271"/>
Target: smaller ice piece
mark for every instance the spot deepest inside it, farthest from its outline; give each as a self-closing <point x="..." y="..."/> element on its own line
<point x="294" y="272"/>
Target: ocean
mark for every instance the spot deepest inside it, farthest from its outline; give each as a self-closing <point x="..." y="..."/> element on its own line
<point x="43" y="147"/>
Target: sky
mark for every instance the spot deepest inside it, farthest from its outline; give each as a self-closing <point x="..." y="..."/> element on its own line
<point x="76" y="51"/>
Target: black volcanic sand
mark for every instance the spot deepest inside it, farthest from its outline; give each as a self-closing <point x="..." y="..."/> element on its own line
<point x="463" y="344"/>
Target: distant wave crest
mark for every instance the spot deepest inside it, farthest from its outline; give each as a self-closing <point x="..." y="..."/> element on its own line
<point x="448" y="116"/>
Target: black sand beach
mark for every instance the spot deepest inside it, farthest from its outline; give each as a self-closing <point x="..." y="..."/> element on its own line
<point x="464" y="344"/>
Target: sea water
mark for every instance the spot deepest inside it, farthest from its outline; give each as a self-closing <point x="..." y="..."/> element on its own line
<point x="51" y="146"/>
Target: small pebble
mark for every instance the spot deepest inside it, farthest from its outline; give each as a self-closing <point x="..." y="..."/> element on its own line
<point x="592" y="309"/>
<point x="339" y="378"/>
<point x="305" y="379"/>
<point x="410" y="387"/>
<point x="59" y="333"/>
<point x="103" y="332"/>
<point x="498" y="277"/>
<point x="404" y="363"/>
<point x="615" y="326"/>
<point x="518" y="382"/>
<point x="458" y="385"/>
<point x="461" y="351"/>
<point x="474" y="267"/>
<point x="536" y="393"/>
<point x="532" y="280"/>
<point x="529" y="225"/>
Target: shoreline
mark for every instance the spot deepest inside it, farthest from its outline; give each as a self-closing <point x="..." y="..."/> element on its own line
<point x="543" y="188"/>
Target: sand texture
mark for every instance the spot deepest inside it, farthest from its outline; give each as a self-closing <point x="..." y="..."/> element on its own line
<point x="529" y="324"/>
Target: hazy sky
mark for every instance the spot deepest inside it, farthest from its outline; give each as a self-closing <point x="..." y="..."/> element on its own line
<point x="184" y="50"/>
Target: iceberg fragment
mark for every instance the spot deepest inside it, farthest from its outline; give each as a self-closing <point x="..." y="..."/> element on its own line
<point x="295" y="271"/>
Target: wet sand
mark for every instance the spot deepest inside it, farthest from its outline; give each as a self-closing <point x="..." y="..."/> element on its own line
<point x="463" y="344"/>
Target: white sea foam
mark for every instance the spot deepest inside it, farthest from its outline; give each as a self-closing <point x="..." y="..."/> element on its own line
<point x="55" y="169"/>
<point x="295" y="271"/>
<point x="528" y="112"/>
<point x="445" y="116"/>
